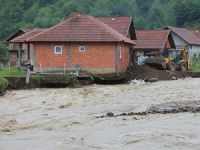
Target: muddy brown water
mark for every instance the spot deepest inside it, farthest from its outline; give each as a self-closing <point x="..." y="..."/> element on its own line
<point x="57" y="119"/>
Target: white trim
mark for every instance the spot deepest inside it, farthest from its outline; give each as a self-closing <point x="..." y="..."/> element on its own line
<point x="58" y="46"/>
<point x="80" y="48"/>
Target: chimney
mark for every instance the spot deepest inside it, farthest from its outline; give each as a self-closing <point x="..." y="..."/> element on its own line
<point x="75" y="13"/>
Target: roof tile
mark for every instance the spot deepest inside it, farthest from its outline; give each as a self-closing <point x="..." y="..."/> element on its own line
<point x="81" y="29"/>
<point x="154" y="39"/>
<point x="29" y="33"/>
<point x="186" y="35"/>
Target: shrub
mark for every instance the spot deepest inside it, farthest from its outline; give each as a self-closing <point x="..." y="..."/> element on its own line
<point x="38" y="79"/>
<point x="3" y="85"/>
<point x="12" y="72"/>
<point x="195" y="64"/>
<point x="68" y="79"/>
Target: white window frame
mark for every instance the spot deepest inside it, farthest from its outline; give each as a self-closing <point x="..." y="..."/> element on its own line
<point x="56" y="46"/>
<point x="80" y="47"/>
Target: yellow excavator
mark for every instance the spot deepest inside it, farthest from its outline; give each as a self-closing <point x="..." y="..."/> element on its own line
<point x="172" y="59"/>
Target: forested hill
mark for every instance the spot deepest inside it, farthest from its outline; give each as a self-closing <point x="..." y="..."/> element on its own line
<point x="149" y="14"/>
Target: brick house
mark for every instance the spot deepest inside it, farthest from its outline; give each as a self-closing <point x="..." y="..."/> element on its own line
<point x="98" y="45"/>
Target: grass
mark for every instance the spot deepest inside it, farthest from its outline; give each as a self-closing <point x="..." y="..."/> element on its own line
<point x="195" y="68"/>
<point x="12" y="72"/>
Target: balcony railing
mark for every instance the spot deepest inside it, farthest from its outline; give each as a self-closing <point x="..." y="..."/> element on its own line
<point x="16" y="46"/>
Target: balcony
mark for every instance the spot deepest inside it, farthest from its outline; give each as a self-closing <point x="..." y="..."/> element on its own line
<point x="16" y="46"/>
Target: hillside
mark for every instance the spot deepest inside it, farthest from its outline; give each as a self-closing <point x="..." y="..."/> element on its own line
<point x="149" y="14"/>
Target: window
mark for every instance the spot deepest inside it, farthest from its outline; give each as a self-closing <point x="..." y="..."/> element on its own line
<point x="58" y="49"/>
<point x="190" y="46"/>
<point x="195" y="55"/>
<point x="82" y="49"/>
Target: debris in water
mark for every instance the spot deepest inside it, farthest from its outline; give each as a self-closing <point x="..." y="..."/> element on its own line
<point x="61" y="106"/>
<point x="152" y="80"/>
<point x="165" y="108"/>
<point x="110" y="114"/>
<point x="137" y="82"/>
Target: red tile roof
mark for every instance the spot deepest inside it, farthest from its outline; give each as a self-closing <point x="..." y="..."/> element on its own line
<point x="186" y="35"/>
<point x="151" y="39"/>
<point x="17" y="33"/>
<point x="120" y="24"/>
<point x="197" y="33"/>
<point x="23" y="38"/>
<point x="83" y="28"/>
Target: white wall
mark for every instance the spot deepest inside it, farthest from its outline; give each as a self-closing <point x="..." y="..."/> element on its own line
<point x="178" y="41"/>
<point x="192" y="49"/>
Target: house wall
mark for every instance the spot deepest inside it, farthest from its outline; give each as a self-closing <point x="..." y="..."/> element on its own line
<point x="98" y="58"/>
<point x="13" y="57"/>
<point x="179" y="43"/>
<point x="167" y="44"/>
<point x="193" y="50"/>
<point x="14" y="52"/>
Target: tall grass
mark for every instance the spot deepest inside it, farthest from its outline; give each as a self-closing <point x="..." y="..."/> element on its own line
<point x="195" y="67"/>
<point x="12" y="72"/>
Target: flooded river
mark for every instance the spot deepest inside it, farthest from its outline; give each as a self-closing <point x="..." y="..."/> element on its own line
<point x="58" y="119"/>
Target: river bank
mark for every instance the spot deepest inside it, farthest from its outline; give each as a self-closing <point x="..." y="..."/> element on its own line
<point x="66" y="117"/>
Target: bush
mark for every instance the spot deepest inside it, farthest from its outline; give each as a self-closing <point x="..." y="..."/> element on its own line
<point x="38" y="79"/>
<point x="68" y="79"/>
<point x="12" y="72"/>
<point x="3" y="85"/>
<point x="195" y="64"/>
<point x="3" y="53"/>
<point x="195" y="60"/>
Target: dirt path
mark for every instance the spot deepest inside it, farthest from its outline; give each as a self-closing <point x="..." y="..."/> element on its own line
<point x="57" y="119"/>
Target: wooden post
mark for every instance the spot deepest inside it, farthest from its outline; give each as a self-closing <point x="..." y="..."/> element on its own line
<point x="20" y="49"/>
<point x="28" y="51"/>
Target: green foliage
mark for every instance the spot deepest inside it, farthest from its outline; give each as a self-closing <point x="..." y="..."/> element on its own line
<point x="68" y="79"/>
<point x="3" y="53"/>
<point x="148" y="14"/>
<point x="195" y="64"/>
<point x="12" y="72"/>
<point x="195" y="67"/>
<point x="3" y="85"/>
<point x="38" y="79"/>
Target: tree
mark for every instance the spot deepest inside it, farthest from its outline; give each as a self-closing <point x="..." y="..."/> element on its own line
<point x="156" y="15"/>
<point x="3" y="53"/>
